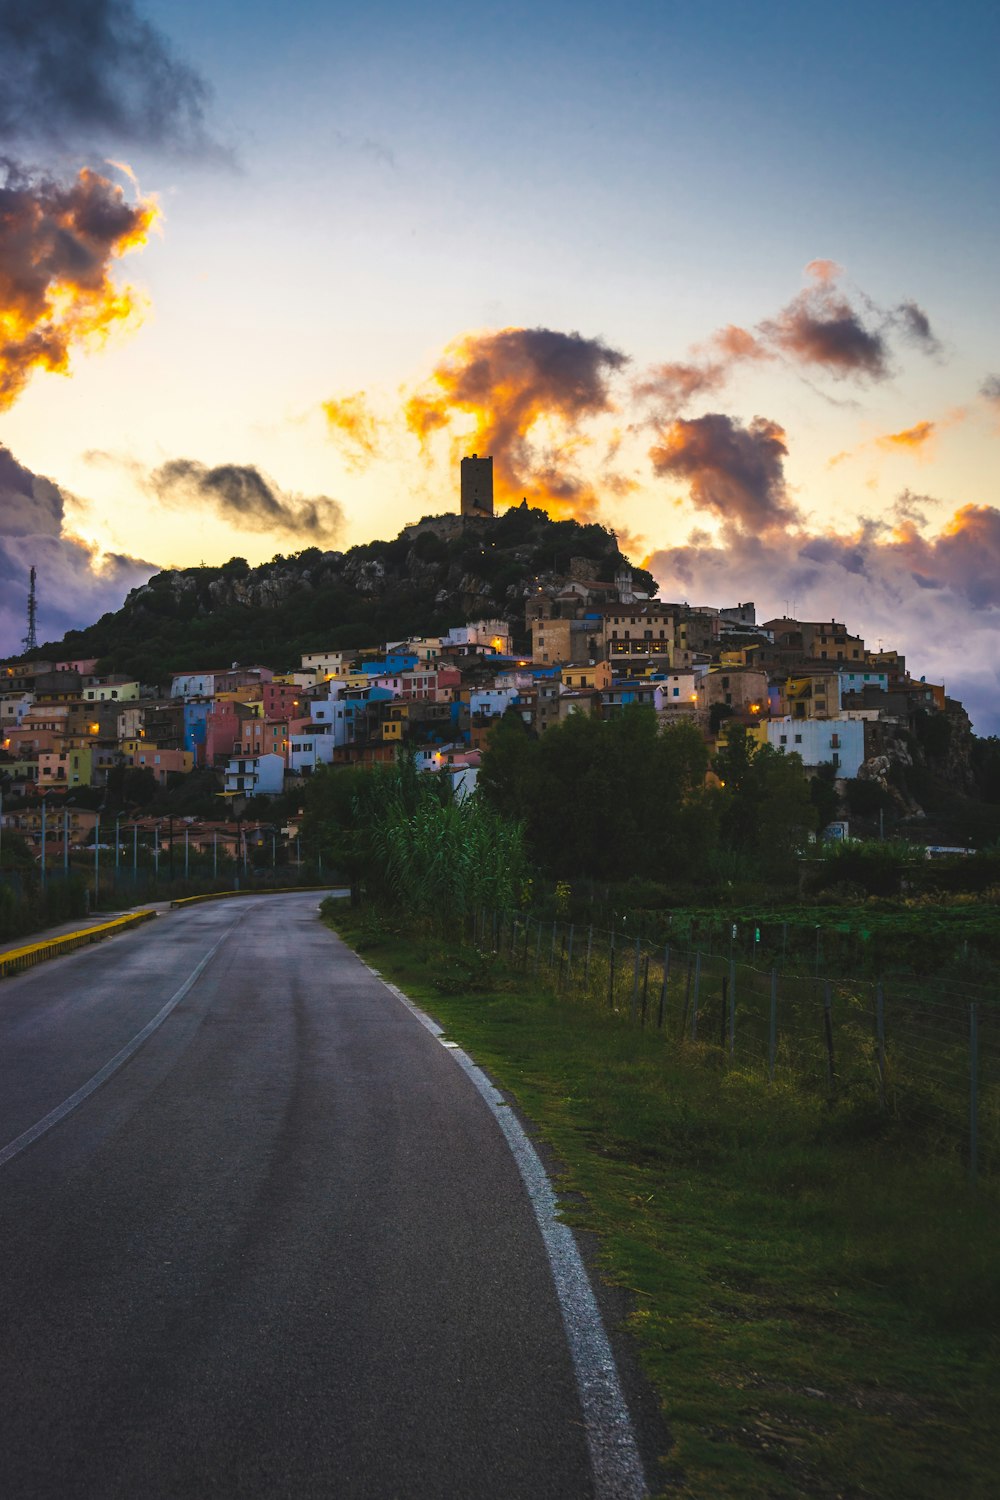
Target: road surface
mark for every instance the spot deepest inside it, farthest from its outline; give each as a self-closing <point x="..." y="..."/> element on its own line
<point x="280" y="1248"/>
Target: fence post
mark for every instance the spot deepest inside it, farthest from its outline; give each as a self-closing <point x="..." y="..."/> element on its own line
<point x="552" y="954"/>
<point x="569" y="954"/>
<point x="645" y="987"/>
<point x="562" y="963"/>
<point x="494" y="931"/>
<point x="635" y="983"/>
<point x="772" y="1038"/>
<point x="663" y="987"/>
<point x="880" y="1042"/>
<point x="611" y="972"/>
<point x="538" y="946"/>
<point x="973" y="1091"/>
<point x="687" y="994"/>
<point x="831" y="1067"/>
<point x="732" y="1009"/>
<point x="527" y="937"/>
<point x="697" y="990"/>
<point x="586" y="966"/>
<point x="722" y="1012"/>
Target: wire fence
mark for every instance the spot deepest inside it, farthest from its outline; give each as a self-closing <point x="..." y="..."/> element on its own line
<point x="911" y="1049"/>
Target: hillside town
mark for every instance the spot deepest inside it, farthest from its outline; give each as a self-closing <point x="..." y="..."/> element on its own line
<point x="811" y="687"/>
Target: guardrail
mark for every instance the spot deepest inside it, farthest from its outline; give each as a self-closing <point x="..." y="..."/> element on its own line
<point x="19" y="959"/>
<point x="274" y="890"/>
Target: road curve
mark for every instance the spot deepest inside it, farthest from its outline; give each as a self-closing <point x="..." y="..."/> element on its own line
<point x="282" y="1249"/>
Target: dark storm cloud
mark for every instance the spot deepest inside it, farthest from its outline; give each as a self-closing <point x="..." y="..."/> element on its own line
<point x="735" y="471"/>
<point x="95" y="69"/>
<point x="990" y="389"/>
<point x="76" y="584"/>
<point x="241" y="494"/>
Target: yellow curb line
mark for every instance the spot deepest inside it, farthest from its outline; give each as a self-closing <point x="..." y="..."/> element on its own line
<point x="26" y="958"/>
<point x="277" y="890"/>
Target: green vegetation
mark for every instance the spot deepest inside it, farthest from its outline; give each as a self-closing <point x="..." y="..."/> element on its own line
<point x="402" y="835"/>
<point x="26" y="905"/>
<point x="618" y="798"/>
<point x="814" y="1289"/>
<point x="205" y="617"/>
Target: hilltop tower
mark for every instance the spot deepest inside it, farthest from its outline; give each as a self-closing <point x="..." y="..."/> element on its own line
<point x="477" y="486"/>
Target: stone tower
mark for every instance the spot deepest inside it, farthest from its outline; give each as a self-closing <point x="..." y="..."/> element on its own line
<point x="477" y="486"/>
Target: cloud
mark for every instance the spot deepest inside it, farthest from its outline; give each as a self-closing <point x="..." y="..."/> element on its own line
<point x="354" y="427"/>
<point x="673" y="385"/>
<point x="935" y="595"/>
<point x="527" y="390"/>
<point x="821" y="329"/>
<point x="97" y="69"/>
<point x="76" y="582"/>
<point x="241" y="494"/>
<point x="58" y="243"/>
<point x="917" y="326"/>
<point x="912" y="438"/>
<point x="990" y="389"/>
<point x="734" y="471"/>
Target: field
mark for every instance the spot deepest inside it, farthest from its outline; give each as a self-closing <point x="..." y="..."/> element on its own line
<point x="813" y="1281"/>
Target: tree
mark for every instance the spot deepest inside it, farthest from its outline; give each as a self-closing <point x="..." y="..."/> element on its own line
<point x="824" y="795"/>
<point x="603" y="799"/>
<point x="767" y="812"/>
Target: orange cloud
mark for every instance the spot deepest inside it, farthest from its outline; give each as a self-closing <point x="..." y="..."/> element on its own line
<point x="355" y="426"/>
<point x="526" y="392"/>
<point x="911" y="437"/>
<point x="58" y="244"/>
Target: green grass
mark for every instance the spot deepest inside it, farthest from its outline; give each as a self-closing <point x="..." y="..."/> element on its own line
<point x="814" y="1295"/>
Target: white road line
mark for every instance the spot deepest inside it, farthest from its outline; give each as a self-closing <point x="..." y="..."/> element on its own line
<point x="32" y="1134"/>
<point x="614" y="1454"/>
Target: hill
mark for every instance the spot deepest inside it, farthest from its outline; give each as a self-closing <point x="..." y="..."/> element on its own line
<point x="427" y="580"/>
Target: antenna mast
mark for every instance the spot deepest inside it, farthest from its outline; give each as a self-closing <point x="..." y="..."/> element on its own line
<point x="30" y="641"/>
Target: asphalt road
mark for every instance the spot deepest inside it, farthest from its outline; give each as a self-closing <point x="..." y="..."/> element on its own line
<point x="284" y="1249"/>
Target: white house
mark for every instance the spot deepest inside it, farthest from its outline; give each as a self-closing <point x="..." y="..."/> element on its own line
<point x="255" y="775"/>
<point x="675" y="690"/>
<point x="193" y="685"/>
<point x="838" y="742"/>
<point x="494" y="634"/>
<point x="310" y="749"/>
<point x="491" y="702"/>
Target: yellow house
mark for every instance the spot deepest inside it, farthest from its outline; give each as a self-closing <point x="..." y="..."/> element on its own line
<point x="111" y="692"/>
<point x="577" y="675"/>
<point x="70" y="767"/>
<point x="813" y="695"/>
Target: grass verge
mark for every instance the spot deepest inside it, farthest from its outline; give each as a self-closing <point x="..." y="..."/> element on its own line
<point x="814" y="1295"/>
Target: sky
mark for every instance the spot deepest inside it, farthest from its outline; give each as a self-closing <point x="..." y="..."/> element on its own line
<point x="721" y="277"/>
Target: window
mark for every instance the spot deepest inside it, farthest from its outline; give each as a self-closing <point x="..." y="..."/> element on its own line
<point x="783" y="739"/>
<point x="798" y="739"/>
